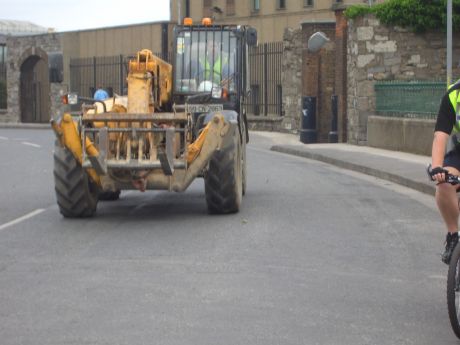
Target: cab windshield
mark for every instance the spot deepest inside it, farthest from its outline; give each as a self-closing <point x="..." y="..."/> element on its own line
<point x="205" y="60"/>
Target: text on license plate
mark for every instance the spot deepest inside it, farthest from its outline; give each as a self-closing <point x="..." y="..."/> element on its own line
<point x="204" y="108"/>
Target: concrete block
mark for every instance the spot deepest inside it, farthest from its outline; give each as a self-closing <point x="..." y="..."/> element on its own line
<point x="418" y="136"/>
<point x="386" y="133"/>
<point x="400" y="134"/>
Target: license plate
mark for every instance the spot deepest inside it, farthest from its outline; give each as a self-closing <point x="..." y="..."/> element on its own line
<point x="204" y="108"/>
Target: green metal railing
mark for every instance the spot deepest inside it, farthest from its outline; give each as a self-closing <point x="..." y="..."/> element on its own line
<point x="418" y="99"/>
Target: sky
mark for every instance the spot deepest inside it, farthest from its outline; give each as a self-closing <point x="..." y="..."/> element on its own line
<point x="84" y="14"/>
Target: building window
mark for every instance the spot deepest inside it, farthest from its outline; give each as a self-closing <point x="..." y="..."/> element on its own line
<point x="307" y="3"/>
<point x="255" y="5"/>
<point x="281" y="4"/>
<point x="230" y="7"/>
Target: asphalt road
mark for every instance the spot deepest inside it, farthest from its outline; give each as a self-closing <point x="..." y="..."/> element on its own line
<point x="317" y="255"/>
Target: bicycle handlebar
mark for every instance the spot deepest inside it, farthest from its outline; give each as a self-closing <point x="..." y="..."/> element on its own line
<point x="452" y="179"/>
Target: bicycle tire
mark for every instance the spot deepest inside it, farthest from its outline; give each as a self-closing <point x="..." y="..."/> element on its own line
<point x="453" y="291"/>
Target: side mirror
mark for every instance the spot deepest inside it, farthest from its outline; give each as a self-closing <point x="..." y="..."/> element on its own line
<point x="251" y="37"/>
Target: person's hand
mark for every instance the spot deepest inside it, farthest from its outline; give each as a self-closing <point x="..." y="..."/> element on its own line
<point x="438" y="174"/>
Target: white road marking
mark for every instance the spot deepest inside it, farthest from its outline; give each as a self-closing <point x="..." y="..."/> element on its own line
<point x="24" y="217"/>
<point x="3" y="138"/>
<point x="30" y="144"/>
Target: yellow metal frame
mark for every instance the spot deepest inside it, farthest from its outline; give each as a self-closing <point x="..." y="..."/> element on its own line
<point x="69" y="137"/>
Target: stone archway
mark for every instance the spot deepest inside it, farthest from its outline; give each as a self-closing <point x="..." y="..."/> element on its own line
<point x="34" y="91"/>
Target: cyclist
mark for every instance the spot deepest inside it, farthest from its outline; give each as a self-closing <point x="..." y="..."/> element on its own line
<point x="447" y="123"/>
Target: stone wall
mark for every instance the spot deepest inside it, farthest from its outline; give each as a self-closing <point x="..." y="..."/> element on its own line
<point x="19" y="50"/>
<point x="377" y="52"/>
<point x="294" y="44"/>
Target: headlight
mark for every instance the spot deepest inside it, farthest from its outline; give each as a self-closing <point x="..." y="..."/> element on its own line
<point x="72" y="98"/>
<point x="216" y="92"/>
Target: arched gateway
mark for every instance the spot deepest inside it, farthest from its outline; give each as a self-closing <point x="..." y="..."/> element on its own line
<point x="34" y="91"/>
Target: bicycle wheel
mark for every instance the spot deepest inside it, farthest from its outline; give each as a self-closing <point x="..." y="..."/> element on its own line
<point x="453" y="291"/>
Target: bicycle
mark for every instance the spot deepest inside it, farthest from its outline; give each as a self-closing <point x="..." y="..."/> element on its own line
<point x="453" y="273"/>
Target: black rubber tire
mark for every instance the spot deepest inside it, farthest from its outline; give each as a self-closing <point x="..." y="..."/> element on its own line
<point x="244" y="166"/>
<point x="76" y="195"/>
<point x="453" y="288"/>
<point x="109" y="196"/>
<point x="223" y="181"/>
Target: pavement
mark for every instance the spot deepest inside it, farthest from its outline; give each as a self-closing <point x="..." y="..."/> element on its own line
<point x="402" y="168"/>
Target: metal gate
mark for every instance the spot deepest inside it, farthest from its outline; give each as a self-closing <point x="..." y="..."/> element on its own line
<point x="265" y="65"/>
<point x="108" y="72"/>
<point x="87" y="74"/>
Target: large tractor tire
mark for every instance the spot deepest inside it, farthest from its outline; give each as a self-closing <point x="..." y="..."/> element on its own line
<point x="76" y="194"/>
<point x="244" y="168"/>
<point x="223" y="180"/>
<point x="243" y="160"/>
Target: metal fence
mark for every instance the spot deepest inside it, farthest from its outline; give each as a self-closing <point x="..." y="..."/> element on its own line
<point x="3" y="93"/>
<point x="418" y="99"/>
<point x="265" y="63"/>
<point x="87" y="74"/>
<point x="109" y="72"/>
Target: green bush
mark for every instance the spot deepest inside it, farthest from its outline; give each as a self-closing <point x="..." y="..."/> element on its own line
<point x="417" y="15"/>
<point x="2" y="94"/>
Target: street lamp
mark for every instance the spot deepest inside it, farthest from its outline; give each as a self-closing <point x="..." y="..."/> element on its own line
<point x="449" y="42"/>
<point x="317" y="41"/>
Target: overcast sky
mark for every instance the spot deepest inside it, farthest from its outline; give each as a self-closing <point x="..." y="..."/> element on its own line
<point x="84" y="14"/>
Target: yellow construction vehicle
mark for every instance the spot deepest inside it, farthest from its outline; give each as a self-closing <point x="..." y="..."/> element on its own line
<point x="175" y="124"/>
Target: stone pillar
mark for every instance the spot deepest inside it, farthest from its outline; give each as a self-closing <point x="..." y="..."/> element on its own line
<point x="341" y="71"/>
<point x="291" y="80"/>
